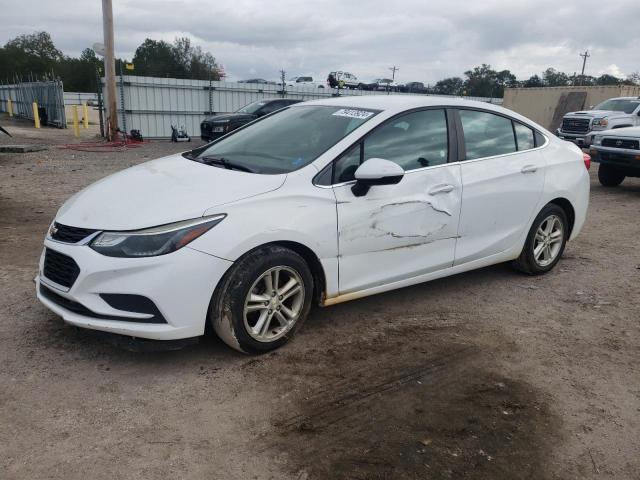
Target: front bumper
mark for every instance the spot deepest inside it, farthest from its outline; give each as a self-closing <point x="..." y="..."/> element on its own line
<point x="629" y="160"/>
<point x="180" y="285"/>
<point x="582" y="140"/>
<point x="208" y="134"/>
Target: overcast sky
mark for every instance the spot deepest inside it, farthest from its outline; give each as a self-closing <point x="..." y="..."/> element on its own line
<point x="427" y="39"/>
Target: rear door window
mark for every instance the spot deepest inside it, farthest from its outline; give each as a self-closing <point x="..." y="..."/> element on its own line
<point x="486" y="134"/>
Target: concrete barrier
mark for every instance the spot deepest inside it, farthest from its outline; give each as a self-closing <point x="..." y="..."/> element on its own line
<point x="547" y="105"/>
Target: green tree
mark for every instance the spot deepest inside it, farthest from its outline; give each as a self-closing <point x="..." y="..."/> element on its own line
<point x="533" y="81"/>
<point x="33" y="54"/>
<point x="449" y="86"/>
<point x="483" y="81"/>
<point x="554" y="78"/>
<point x="157" y="58"/>
<point x="607" y="79"/>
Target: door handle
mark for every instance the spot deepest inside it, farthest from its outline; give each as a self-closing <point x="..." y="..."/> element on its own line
<point x="441" y="189"/>
<point x="529" y="169"/>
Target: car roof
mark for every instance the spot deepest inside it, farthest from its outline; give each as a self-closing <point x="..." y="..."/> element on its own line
<point x="399" y="102"/>
<point x="393" y="104"/>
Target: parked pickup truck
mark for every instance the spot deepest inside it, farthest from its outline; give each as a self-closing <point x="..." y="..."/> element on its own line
<point x="580" y="127"/>
<point x="618" y="153"/>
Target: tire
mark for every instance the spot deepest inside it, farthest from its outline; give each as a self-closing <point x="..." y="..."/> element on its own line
<point x="609" y="176"/>
<point x="241" y="329"/>
<point x="536" y="263"/>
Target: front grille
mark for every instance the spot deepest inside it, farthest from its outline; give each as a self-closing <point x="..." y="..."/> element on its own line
<point x="64" y="233"/>
<point x="60" y="268"/>
<point x="617" y="158"/>
<point x="575" y="125"/>
<point x="621" y="143"/>
<point x="205" y="128"/>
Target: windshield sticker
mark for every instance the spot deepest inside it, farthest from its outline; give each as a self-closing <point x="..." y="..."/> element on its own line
<point x="353" y="113"/>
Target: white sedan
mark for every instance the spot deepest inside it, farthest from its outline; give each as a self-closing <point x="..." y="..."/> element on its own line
<point x="321" y="202"/>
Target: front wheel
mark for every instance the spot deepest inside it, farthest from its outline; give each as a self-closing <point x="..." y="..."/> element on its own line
<point x="609" y="176"/>
<point x="263" y="299"/>
<point x="545" y="242"/>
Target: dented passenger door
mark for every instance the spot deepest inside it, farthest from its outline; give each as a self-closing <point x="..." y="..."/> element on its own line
<point x="395" y="232"/>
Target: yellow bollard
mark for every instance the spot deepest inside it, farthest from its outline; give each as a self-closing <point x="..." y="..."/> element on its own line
<point x="76" y="127"/>
<point x="85" y="115"/>
<point x="36" y="115"/>
<point x="10" y="107"/>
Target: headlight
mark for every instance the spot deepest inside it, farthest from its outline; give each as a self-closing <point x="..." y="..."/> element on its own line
<point x="597" y="140"/>
<point x="154" y="241"/>
<point x="602" y="122"/>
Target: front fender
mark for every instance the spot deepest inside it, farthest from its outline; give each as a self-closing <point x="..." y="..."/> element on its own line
<point x="306" y="216"/>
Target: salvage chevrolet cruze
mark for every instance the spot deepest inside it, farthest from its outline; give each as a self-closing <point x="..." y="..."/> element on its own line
<point x="323" y="202"/>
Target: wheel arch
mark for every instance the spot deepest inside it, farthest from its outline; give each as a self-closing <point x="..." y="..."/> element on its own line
<point x="568" y="210"/>
<point x="309" y="256"/>
<point x="319" y="276"/>
<point x="620" y="126"/>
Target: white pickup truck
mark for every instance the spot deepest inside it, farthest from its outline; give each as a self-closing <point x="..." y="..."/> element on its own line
<point x="618" y="153"/>
<point x="581" y="127"/>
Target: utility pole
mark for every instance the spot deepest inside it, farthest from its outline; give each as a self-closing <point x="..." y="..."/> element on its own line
<point x="393" y="69"/>
<point x="284" y="83"/>
<point x="584" y="56"/>
<point x="109" y="70"/>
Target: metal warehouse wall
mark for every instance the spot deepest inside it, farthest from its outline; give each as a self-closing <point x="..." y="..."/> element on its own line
<point x="547" y="105"/>
<point x="153" y="104"/>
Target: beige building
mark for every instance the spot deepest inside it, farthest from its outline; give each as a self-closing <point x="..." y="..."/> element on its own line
<point x="547" y="105"/>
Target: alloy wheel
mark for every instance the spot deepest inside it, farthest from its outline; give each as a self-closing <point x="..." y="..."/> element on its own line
<point x="548" y="240"/>
<point x="273" y="304"/>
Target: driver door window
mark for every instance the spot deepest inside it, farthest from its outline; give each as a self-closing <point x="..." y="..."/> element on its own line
<point x="415" y="140"/>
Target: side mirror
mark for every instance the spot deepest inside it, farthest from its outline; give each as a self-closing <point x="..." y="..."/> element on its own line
<point x="376" y="171"/>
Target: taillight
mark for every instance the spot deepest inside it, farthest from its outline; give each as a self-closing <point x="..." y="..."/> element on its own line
<point x="587" y="160"/>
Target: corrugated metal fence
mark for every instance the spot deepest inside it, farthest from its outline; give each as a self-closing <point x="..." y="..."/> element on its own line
<point x="49" y="95"/>
<point x="153" y="104"/>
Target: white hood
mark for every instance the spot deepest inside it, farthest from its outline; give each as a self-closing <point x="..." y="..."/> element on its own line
<point x="161" y="191"/>
<point x="591" y="114"/>
<point x="622" y="132"/>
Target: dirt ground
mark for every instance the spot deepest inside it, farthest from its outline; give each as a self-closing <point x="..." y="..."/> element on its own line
<point x="484" y="375"/>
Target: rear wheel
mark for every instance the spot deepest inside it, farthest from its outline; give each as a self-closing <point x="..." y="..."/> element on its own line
<point x="262" y="300"/>
<point x="545" y="242"/>
<point x="609" y="176"/>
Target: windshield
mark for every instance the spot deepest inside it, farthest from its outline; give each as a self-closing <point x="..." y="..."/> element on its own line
<point x="620" y="105"/>
<point x="289" y="140"/>
<point x="252" y="107"/>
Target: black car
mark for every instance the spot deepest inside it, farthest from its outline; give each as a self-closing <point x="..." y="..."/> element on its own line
<point x="222" y="123"/>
